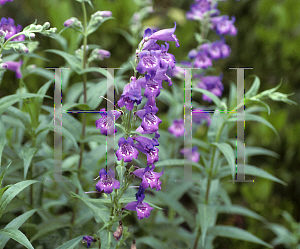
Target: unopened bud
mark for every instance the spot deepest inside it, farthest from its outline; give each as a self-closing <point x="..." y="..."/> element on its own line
<point x="117" y="234"/>
<point x="105" y="13"/>
<point x="4" y="65"/>
<point x="32" y="35"/>
<point x="39" y="27"/>
<point x="68" y="22"/>
<point x="46" y="25"/>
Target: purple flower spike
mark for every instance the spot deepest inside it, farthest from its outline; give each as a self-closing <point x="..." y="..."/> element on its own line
<point x="88" y="240"/>
<point x="2" y="2"/>
<point x="15" y="66"/>
<point x="126" y="150"/>
<point x="107" y="181"/>
<point x="165" y="35"/>
<point x="212" y="84"/>
<point x="143" y="209"/>
<point x="106" y="123"/>
<point x="149" y="177"/>
<point x="177" y="128"/>
<point x="191" y="154"/>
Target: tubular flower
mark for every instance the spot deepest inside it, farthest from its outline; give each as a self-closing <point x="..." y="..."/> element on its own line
<point x="149" y="177"/>
<point x="107" y="181"/>
<point x="198" y="116"/>
<point x="149" y="61"/>
<point x="106" y="123"/>
<point x="88" y="240"/>
<point x="212" y="84"/>
<point x="15" y="66"/>
<point x="223" y="25"/>
<point x="165" y="35"/>
<point x="126" y="150"/>
<point x="177" y="128"/>
<point x="191" y="154"/>
<point x="150" y="122"/>
<point x="143" y="209"/>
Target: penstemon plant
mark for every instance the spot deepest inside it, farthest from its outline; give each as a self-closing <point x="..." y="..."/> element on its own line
<point x="139" y="198"/>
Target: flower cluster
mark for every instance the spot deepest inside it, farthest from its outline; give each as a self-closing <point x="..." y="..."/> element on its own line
<point x="8" y="26"/>
<point x="152" y="60"/>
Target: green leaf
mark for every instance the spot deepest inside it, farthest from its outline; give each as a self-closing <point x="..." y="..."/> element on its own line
<point x="232" y="97"/>
<point x="207" y="218"/>
<point x="166" y="97"/>
<point x="10" y="193"/>
<point x="178" y="207"/>
<point x="236" y="209"/>
<point x="15" y="112"/>
<point x="253" y="117"/>
<point x="121" y="171"/>
<point x="27" y="154"/>
<point x="214" y="98"/>
<point x="100" y="213"/>
<point x="15" y="223"/>
<point x="254" y="88"/>
<point x="250" y="170"/>
<point x="3" y="173"/>
<point x="93" y="28"/>
<point x="213" y="133"/>
<point x="236" y="233"/>
<point x="131" y="40"/>
<point x="71" y="243"/>
<point x="177" y="162"/>
<point x="152" y="242"/>
<point x="9" y="100"/>
<point x="39" y="101"/>
<point x="2" y="140"/>
<point x="95" y="69"/>
<point x="227" y="151"/>
<point x="48" y="227"/>
<point x="71" y="59"/>
<point x="17" y="236"/>
<point x="254" y="151"/>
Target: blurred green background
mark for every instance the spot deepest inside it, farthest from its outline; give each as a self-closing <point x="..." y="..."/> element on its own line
<point x="268" y="40"/>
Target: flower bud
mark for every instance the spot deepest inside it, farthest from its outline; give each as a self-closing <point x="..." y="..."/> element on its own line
<point x="4" y="65"/>
<point x="32" y="35"/>
<point x="105" y="13"/>
<point x="2" y="33"/>
<point x="68" y="22"/>
<point x="133" y="246"/>
<point x="117" y="234"/>
<point x="46" y="25"/>
<point x="39" y="27"/>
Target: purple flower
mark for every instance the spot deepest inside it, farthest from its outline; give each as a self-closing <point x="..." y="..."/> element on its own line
<point x="199" y="115"/>
<point x="103" y="54"/>
<point x="142" y="131"/>
<point x="149" y="61"/>
<point x="191" y="154"/>
<point x="202" y="60"/>
<point x="165" y="35"/>
<point x="223" y="25"/>
<point x="149" y="177"/>
<point x="88" y="240"/>
<point x="135" y="91"/>
<point x="146" y="143"/>
<point x="125" y="100"/>
<point x="15" y="66"/>
<point x="126" y="150"/>
<point x="219" y="49"/>
<point x="199" y="9"/>
<point x="143" y="209"/>
<point x="150" y="122"/>
<point x="177" y="128"/>
<point x="212" y="84"/>
<point x="2" y="2"/>
<point x="106" y="123"/>
<point x="161" y="75"/>
<point x="166" y="59"/>
<point x="107" y="181"/>
<point x="140" y="195"/>
<point x="8" y="26"/>
<point x="152" y="86"/>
